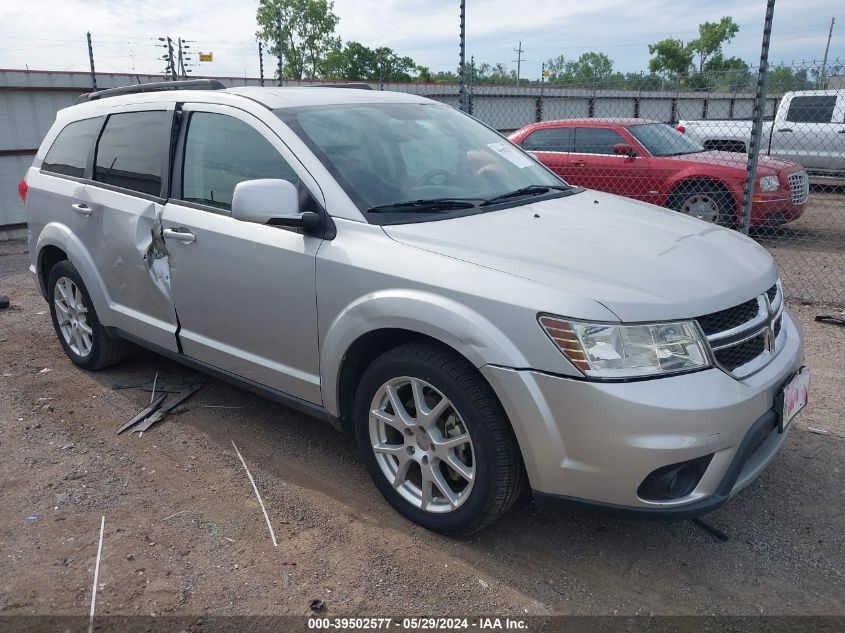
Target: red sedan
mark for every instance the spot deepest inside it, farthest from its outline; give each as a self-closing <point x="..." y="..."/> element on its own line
<point x="653" y="162"/>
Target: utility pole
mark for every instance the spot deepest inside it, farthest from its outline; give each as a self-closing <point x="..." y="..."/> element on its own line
<point x="279" y="44"/>
<point x="518" y="61"/>
<point x="823" y="83"/>
<point x="261" y="63"/>
<point x="91" y="59"/>
<point x="462" y="89"/>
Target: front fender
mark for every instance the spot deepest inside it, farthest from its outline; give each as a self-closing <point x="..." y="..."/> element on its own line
<point x="454" y="324"/>
<point x="60" y="236"/>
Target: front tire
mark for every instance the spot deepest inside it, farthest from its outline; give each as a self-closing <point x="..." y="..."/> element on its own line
<point x="706" y="201"/>
<point x="435" y="439"/>
<point x="85" y="341"/>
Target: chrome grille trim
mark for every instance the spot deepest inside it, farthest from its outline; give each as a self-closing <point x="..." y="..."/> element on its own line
<point x="767" y="323"/>
<point x="799" y="185"/>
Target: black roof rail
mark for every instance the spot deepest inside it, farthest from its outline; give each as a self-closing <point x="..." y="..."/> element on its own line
<point x="158" y="86"/>
<point x="354" y="85"/>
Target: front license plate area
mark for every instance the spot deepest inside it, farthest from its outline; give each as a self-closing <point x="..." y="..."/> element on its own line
<point x="793" y="397"/>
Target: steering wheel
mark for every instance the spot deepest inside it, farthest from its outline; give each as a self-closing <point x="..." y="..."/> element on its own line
<point x="430" y="176"/>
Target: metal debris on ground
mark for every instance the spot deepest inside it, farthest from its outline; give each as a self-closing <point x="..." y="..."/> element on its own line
<point x="162" y="385"/>
<point x="829" y="318"/>
<point x="150" y="408"/>
<point x="817" y="431"/>
<point x="157" y="410"/>
<point x="714" y="532"/>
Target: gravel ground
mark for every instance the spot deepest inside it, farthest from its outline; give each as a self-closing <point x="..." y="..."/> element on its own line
<point x="184" y="534"/>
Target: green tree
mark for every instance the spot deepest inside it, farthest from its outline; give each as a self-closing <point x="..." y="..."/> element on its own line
<point x="307" y="33"/>
<point x="711" y="37"/>
<point x="590" y="68"/>
<point x="357" y="62"/>
<point x="670" y="57"/>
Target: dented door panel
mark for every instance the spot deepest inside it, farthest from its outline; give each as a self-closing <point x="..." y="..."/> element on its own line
<point x="132" y="258"/>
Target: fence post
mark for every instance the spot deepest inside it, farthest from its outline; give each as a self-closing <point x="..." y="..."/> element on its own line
<point x="462" y="90"/>
<point x="759" y="112"/>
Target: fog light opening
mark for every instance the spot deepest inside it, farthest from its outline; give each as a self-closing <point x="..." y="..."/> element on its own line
<point x="674" y="481"/>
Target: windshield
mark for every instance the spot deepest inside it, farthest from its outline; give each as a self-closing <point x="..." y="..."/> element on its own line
<point x="664" y="140"/>
<point x="387" y="154"/>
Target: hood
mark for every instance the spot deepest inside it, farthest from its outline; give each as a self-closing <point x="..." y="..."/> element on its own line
<point x="640" y="261"/>
<point x="766" y="165"/>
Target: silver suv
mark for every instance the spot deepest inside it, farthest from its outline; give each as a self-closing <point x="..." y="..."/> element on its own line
<point x="392" y="266"/>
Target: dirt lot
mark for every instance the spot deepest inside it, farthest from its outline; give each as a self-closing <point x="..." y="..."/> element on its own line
<point x="184" y="534"/>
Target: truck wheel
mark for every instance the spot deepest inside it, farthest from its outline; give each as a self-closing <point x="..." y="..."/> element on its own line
<point x="85" y="341"/>
<point x="706" y="201"/>
<point x="435" y="439"/>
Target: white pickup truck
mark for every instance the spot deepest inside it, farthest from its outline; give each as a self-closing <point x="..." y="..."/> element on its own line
<point x="808" y="128"/>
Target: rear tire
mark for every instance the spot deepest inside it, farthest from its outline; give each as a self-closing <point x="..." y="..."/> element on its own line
<point x="85" y="341"/>
<point x="448" y="416"/>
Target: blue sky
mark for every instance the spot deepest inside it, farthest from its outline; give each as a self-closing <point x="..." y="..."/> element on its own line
<point x="124" y="30"/>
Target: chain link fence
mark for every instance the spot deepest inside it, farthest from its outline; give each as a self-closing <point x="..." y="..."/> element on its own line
<point x="684" y="145"/>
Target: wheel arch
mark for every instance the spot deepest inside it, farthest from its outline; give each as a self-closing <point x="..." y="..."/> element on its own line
<point x="381" y="321"/>
<point x="56" y="243"/>
<point x="693" y="180"/>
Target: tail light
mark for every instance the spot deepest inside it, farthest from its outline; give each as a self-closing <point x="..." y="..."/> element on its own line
<point x="22" y="189"/>
<point x="681" y="129"/>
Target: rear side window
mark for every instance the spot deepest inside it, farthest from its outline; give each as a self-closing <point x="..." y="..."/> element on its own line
<point x="69" y="152"/>
<point x="132" y="151"/>
<point x="220" y="152"/>
<point x="553" y="139"/>
<point x="596" y="140"/>
<point x="811" y="109"/>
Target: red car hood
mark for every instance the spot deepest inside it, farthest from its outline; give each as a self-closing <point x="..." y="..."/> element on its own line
<point x="766" y="165"/>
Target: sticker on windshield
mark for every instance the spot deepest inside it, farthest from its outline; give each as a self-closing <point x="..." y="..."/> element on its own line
<point x="509" y="152"/>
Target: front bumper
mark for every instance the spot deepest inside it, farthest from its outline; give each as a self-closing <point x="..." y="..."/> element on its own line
<point x="596" y="442"/>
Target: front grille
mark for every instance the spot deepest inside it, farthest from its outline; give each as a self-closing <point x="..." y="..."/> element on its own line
<point x="771" y="293"/>
<point x="732" y="357"/>
<point x="728" y="319"/>
<point x="799" y="185"/>
<point x="746" y="335"/>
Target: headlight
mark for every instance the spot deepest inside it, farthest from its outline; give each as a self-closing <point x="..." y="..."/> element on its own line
<point x="769" y="183"/>
<point x="602" y="350"/>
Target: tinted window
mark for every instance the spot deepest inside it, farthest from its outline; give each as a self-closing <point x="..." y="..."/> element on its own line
<point x="133" y="150"/>
<point x="220" y="152"/>
<point x="595" y="140"/>
<point x="553" y="139"/>
<point x="811" y="109"/>
<point x="70" y="150"/>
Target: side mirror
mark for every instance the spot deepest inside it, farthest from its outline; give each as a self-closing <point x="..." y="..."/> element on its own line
<point x="271" y="201"/>
<point x="624" y="149"/>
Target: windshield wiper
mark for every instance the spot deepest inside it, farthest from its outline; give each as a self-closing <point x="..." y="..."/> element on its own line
<point x="531" y="190"/>
<point x="426" y="205"/>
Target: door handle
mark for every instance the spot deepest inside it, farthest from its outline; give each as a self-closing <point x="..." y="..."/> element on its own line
<point x="181" y="235"/>
<point x="82" y="209"/>
<point x="579" y="163"/>
<point x="840" y="131"/>
<point x="785" y="129"/>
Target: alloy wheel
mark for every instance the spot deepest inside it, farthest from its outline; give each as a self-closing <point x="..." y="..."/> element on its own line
<point x="72" y="317"/>
<point x="422" y="445"/>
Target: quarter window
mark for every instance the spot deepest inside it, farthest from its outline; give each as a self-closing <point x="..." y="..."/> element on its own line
<point x="596" y="140"/>
<point x="133" y="150"/>
<point x="69" y="153"/>
<point x="220" y="152"/>
<point x="552" y="139"/>
<point x="811" y="109"/>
